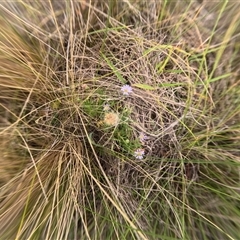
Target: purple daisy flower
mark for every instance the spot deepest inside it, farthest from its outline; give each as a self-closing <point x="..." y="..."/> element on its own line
<point x="126" y="89"/>
<point x="139" y="153"/>
<point x="142" y="137"/>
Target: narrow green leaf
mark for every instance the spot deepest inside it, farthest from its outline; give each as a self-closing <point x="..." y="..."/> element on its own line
<point x="171" y="84"/>
<point x="115" y="70"/>
<point x="144" y="86"/>
<point x="215" y="79"/>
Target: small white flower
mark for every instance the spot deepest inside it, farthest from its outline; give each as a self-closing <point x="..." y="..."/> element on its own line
<point x="126" y="89"/>
<point x="138" y="154"/>
<point x="106" y="107"/>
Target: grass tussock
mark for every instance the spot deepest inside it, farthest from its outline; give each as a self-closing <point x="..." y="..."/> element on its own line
<point x="119" y="120"/>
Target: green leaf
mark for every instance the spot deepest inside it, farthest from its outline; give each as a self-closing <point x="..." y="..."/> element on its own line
<point x="144" y="86"/>
<point x="211" y="80"/>
<point x="172" y="84"/>
<point x="115" y="70"/>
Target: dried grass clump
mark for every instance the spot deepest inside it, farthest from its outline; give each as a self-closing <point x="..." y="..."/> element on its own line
<point x="81" y="159"/>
